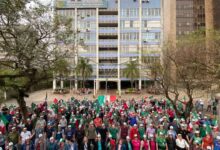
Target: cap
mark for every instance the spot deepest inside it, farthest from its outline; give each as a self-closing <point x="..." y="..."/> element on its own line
<point x="135" y="135"/>
<point x="125" y="123"/>
<point x="0" y="132"/>
<point x="209" y="148"/>
<point x="151" y="135"/>
<point x="63" y="116"/>
<point x="144" y="135"/>
<point x="110" y="136"/>
<point x="69" y="126"/>
<point x="141" y="125"/>
<point x="51" y="138"/>
<point x="40" y="135"/>
<point x="127" y="137"/>
<point x="135" y="125"/>
<point x="98" y="135"/>
<point x="171" y="127"/>
<point x="197" y="131"/>
<point x="218" y="137"/>
<point x="10" y="144"/>
<point x="13" y="128"/>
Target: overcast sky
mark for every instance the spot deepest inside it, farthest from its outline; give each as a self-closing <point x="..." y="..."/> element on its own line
<point x="46" y="2"/>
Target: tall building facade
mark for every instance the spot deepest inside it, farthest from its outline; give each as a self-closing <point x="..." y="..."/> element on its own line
<point x="113" y="32"/>
<point x="184" y="17"/>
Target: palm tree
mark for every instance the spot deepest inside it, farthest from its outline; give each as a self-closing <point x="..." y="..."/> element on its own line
<point x="131" y="71"/>
<point x="84" y="69"/>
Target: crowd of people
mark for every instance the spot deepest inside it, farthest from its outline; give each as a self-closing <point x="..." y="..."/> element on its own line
<point x="147" y="124"/>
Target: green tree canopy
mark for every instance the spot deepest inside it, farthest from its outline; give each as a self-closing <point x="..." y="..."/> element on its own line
<point x="131" y="71"/>
<point x="28" y="44"/>
<point x="84" y="69"/>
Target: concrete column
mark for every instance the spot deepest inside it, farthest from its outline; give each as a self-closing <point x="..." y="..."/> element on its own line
<point x="140" y="42"/>
<point x="54" y="84"/>
<point x="94" y="88"/>
<point x="5" y="95"/>
<point x="140" y="84"/>
<point x="97" y="86"/>
<point x="119" y="87"/>
<point x="61" y="84"/>
<point x="76" y="85"/>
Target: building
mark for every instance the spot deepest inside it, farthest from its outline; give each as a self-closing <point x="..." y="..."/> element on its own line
<point x="183" y="17"/>
<point x="114" y="32"/>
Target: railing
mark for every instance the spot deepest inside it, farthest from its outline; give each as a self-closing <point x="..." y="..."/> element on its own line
<point x="81" y="4"/>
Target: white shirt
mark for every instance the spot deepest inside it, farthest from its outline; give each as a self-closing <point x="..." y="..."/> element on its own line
<point x="25" y="135"/>
<point x="182" y="143"/>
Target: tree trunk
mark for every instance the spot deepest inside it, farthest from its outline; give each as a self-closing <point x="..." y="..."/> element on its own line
<point x="22" y="103"/>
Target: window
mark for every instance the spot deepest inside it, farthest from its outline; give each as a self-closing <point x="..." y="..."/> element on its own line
<point x="145" y="24"/>
<point x="131" y="24"/>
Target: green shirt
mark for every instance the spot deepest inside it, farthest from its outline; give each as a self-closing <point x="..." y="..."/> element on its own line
<point x="202" y="132"/>
<point x="113" y="132"/>
<point x="161" y="143"/>
<point x="197" y="140"/>
<point x="161" y="131"/>
<point x="141" y="132"/>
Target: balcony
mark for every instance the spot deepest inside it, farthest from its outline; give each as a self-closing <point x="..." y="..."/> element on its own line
<point x="107" y="30"/>
<point x="65" y="4"/>
<point x="108" y="19"/>
<point x="108" y="12"/>
<point x="108" y="42"/>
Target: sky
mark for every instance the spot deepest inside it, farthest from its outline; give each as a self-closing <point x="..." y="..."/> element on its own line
<point x="45" y="2"/>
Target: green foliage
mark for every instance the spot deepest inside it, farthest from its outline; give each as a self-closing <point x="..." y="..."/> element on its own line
<point x="61" y="66"/>
<point x="29" y="44"/>
<point x="84" y="69"/>
<point x="131" y="71"/>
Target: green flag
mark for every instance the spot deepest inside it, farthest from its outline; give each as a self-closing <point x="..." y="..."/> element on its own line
<point x="151" y="97"/>
<point x="101" y="100"/>
<point x="33" y="106"/>
<point x="3" y="118"/>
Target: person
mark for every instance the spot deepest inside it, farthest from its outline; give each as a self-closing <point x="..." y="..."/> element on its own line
<point x="128" y="144"/>
<point x="69" y="133"/>
<point x="152" y="142"/>
<point x="150" y="130"/>
<point x="2" y="140"/>
<point x="161" y="142"/>
<point x="111" y="143"/>
<point x="113" y="131"/>
<point x="144" y="143"/>
<point x="120" y="145"/>
<point x="170" y="142"/>
<point x="141" y="131"/>
<point x="85" y="144"/>
<point x="124" y="131"/>
<point x="80" y="133"/>
<point x="41" y="144"/>
<point x="103" y="132"/>
<point x="41" y="122"/>
<point x="91" y="135"/>
<point x="217" y="143"/>
<point x="181" y="143"/>
<point x="13" y="136"/>
<point x="52" y="144"/>
<point x="63" y="123"/>
<point x="25" y="135"/>
<point x="98" y="143"/>
<point x="136" y="143"/>
<point x="207" y="141"/>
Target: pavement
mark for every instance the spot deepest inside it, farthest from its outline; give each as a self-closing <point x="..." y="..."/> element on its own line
<point x="39" y="96"/>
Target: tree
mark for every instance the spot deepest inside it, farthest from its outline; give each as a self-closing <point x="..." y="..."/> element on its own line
<point x="61" y="68"/>
<point x="84" y="69"/>
<point x="131" y="71"/>
<point x="185" y="69"/>
<point x="28" y="39"/>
